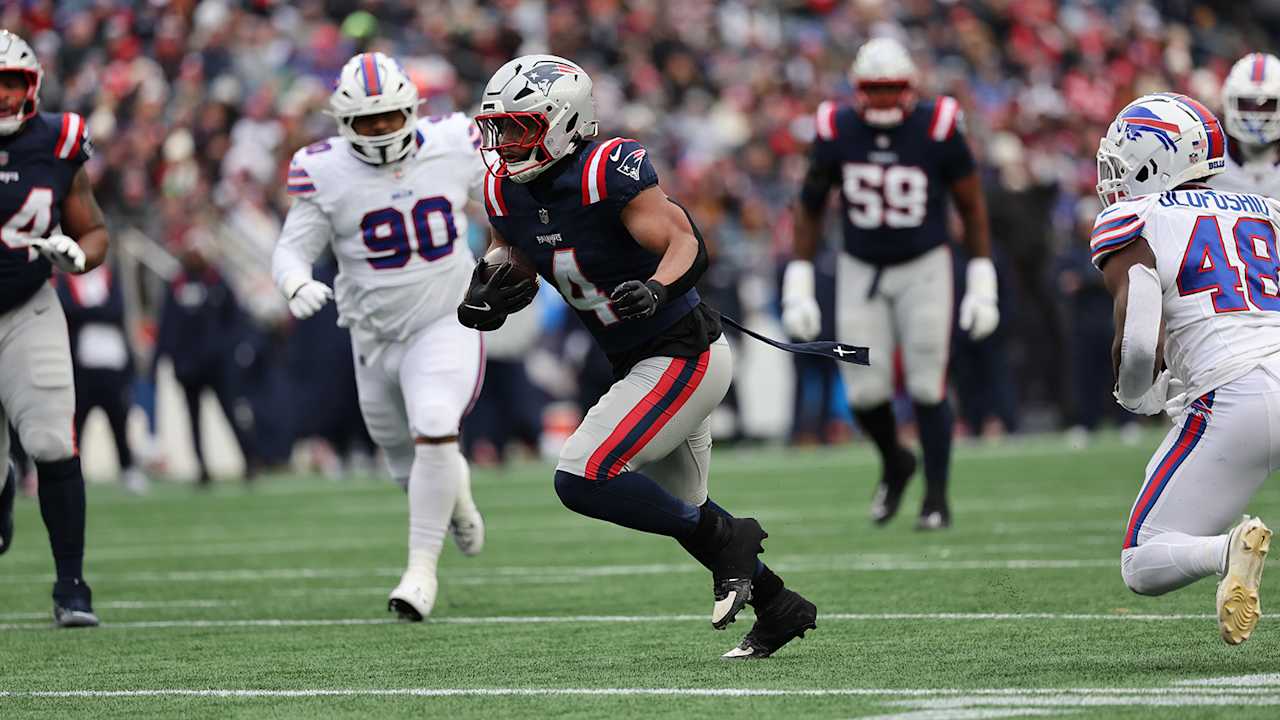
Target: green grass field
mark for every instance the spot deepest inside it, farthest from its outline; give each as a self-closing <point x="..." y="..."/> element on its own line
<point x="270" y="602"/>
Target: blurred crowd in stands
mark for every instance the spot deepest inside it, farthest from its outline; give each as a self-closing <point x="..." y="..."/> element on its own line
<point x="195" y="107"/>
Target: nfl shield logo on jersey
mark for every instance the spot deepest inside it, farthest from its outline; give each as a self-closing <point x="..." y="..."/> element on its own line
<point x="544" y="216"/>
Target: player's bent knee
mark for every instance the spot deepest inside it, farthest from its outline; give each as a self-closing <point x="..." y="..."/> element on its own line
<point x="574" y="491"/>
<point x="1138" y="582"/>
<point x="48" y="445"/>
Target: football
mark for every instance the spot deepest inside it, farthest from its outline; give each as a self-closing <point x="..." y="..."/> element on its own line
<point x="522" y="268"/>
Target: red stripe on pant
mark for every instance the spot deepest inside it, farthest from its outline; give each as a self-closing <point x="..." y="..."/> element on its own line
<point x="637" y="413"/>
<point x="1181" y="448"/>
<point x="698" y="372"/>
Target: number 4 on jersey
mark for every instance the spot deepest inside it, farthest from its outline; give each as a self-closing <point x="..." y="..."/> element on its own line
<point x="30" y="221"/>
<point x="578" y="290"/>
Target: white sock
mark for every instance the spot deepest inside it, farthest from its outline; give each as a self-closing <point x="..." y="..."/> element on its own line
<point x="464" y="501"/>
<point x="1171" y="560"/>
<point x="433" y="490"/>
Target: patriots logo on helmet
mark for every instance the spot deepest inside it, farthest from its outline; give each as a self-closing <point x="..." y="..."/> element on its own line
<point x="1139" y="120"/>
<point x="544" y="75"/>
<point x="630" y="165"/>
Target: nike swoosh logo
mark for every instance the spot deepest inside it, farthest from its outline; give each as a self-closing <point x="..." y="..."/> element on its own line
<point x="617" y="153"/>
<point x="482" y="308"/>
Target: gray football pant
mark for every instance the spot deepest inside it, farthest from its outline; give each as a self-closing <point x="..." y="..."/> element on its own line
<point x="655" y="420"/>
<point x="37" y="392"/>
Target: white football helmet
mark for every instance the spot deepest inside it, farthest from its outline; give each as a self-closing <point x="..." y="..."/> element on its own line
<point x="369" y="84"/>
<point x="1157" y="143"/>
<point x="883" y="63"/>
<point x="534" y="111"/>
<point x="1251" y="99"/>
<point x="17" y="56"/>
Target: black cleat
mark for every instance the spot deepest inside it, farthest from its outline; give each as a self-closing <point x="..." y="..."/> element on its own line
<point x="732" y="568"/>
<point x="893" y="482"/>
<point x="938" y="518"/>
<point x="778" y="623"/>
<point x="73" y="604"/>
<point x="7" y="494"/>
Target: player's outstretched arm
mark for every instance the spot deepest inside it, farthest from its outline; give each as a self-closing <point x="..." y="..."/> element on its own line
<point x="83" y="223"/>
<point x="663" y="228"/>
<point x="1131" y="278"/>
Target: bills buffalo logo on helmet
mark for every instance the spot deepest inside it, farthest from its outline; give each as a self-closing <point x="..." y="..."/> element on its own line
<point x="544" y="75"/>
<point x="630" y="165"/>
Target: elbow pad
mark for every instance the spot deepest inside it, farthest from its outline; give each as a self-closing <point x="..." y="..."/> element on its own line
<point x="1141" y="334"/>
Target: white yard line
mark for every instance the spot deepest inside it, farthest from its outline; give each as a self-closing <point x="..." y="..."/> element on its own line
<point x="621" y="619"/>
<point x="794" y="563"/>
<point x="949" y="696"/>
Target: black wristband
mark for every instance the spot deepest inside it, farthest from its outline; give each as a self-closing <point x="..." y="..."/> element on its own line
<point x="659" y="291"/>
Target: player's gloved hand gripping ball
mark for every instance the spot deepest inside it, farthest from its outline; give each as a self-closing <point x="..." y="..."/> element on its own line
<point x="502" y="283"/>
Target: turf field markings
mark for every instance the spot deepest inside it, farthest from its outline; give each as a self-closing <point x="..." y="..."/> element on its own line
<point x="621" y="619"/>
<point x="1234" y="680"/>
<point x="793" y="563"/>
<point x="131" y="605"/>
<point x="943" y="697"/>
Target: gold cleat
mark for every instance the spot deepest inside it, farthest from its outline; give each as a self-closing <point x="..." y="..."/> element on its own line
<point x="1238" y="606"/>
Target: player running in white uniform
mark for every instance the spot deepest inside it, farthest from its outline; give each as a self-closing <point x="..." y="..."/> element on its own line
<point x="1194" y="273"/>
<point x="388" y="195"/>
<point x="1251" y="114"/>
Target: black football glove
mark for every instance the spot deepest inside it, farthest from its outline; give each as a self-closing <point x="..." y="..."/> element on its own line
<point x="635" y="300"/>
<point x="487" y="304"/>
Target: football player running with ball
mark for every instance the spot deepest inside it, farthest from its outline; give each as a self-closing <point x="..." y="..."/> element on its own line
<point x="50" y="219"/>
<point x="1197" y="315"/>
<point x="896" y="160"/>
<point x="388" y="194"/>
<point x="592" y="219"/>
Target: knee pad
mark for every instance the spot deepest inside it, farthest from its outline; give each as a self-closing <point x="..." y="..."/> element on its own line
<point x="574" y="454"/>
<point x="1132" y="578"/>
<point x="45" y="443"/>
<point x="927" y="390"/>
<point x="434" y="420"/>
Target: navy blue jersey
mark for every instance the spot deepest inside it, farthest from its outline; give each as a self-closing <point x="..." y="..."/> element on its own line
<point x="893" y="181"/>
<point x="37" y="164"/>
<point x="568" y="221"/>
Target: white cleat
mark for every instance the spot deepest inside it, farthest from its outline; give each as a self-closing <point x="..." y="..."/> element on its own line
<point x="467" y="529"/>
<point x="414" y="597"/>
<point x="1238" y="605"/>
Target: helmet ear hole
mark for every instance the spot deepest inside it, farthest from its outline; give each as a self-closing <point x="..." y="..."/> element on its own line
<point x="573" y="122"/>
<point x="1142" y="174"/>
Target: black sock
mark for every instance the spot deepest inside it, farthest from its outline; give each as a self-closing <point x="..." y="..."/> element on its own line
<point x="62" y="507"/>
<point x="934" y="422"/>
<point x="765" y="585"/>
<point x="879" y="425"/>
<point x="632" y="500"/>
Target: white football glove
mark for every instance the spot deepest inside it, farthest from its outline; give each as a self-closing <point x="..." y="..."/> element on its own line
<point x="1167" y="394"/>
<point x="979" y="313"/>
<point x="801" y="315"/>
<point x="62" y="251"/>
<point x="306" y="296"/>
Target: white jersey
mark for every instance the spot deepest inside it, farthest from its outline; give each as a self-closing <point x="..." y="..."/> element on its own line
<point x="398" y="231"/>
<point x="1217" y="259"/>
<point x="1260" y="175"/>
